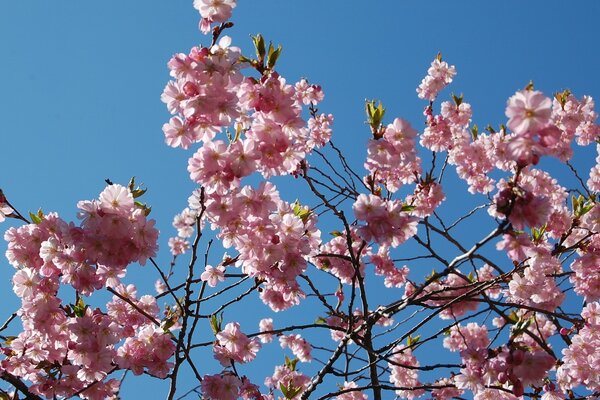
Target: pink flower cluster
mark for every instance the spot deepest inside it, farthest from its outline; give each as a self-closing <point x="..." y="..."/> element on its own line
<point x="535" y="200"/>
<point x="353" y="395"/>
<point x="576" y="117"/>
<point x="273" y="140"/>
<point x="425" y="199"/>
<point x="213" y="11"/>
<point x="385" y="266"/>
<point x="392" y="160"/>
<point x="113" y="234"/>
<point x="529" y="113"/>
<point x="79" y="343"/>
<point x="338" y="262"/>
<point x="288" y="378"/>
<point x="5" y="210"/>
<point x="535" y="285"/>
<point x="453" y="293"/>
<point x="586" y="267"/>
<point x="516" y="366"/>
<point x="582" y="356"/>
<point x="148" y="352"/>
<point x="299" y="346"/>
<point x="385" y="222"/>
<point x="268" y="135"/>
<point x="402" y="375"/>
<point x="594" y="180"/>
<point x="272" y="237"/>
<point x="234" y="346"/>
<point x="204" y="94"/>
<point x="227" y="386"/>
<point x="439" y="75"/>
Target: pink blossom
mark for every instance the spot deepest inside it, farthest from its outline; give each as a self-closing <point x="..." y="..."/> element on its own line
<point x="221" y="387"/>
<point x="528" y="111"/>
<point x="402" y="376"/>
<point x="299" y="346"/>
<point x="116" y="199"/>
<point x="307" y="93"/>
<point x="439" y="75"/>
<point x="178" y="133"/>
<point x="266" y="324"/>
<point x="386" y="223"/>
<point x="351" y="395"/>
<point x="178" y="245"/>
<point x="25" y="282"/>
<point x="392" y="160"/>
<point x="215" y="10"/>
<point x="233" y="344"/>
<point x="213" y="275"/>
<point x="160" y="286"/>
<point x="5" y="211"/>
<point x="426" y="198"/>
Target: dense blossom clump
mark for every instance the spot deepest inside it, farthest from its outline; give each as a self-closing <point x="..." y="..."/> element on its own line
<point x="403" y="267"/>
<point x="84" y="344"/>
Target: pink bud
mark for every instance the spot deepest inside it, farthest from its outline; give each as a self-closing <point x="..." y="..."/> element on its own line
<point x="518" y="389"/>
<point x="199" y="54"/>
<point x="503" y="377"/>
<point x="517" y="357"/>
<point x="190" y="89"/>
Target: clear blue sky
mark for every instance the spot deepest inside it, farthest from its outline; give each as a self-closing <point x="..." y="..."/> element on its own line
<point x="81" y="82"/>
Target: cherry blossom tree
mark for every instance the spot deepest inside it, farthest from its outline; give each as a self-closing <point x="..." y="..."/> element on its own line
<point x="511" y="314"/>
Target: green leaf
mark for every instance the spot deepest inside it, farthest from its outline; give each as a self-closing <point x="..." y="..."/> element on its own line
<point x="131" y="184"/>
<point x="301" y="212"/>
<point x="513" y="317"/>
<point x="457" y="99"/>
<point x="432" y="275"/>
<point x="291" y="363"/>
<point x="474" y="132"/>
<point x="471" y="277"/>
<point x="562" y="97"/>
<point x="522" y="325"/>
<point x="585" y="209"/>
<point x="375" y="114"/>
<point x="581" y="205"/>
<point x="79" y="308"/>
<point x="529" y="86"/>
<point x="320" y="321"/>
<point x="136" y="191"/>
<point x="410" y="341"/>
<point x="9" y="340"/>
<point x="538" y="234"/>
<point x="215" y="323"/>
<point x="273" y="56"/>
<point x="38" y="217"/>
<point x="259" y="46"/>
<point x="290" y="391"/>
<point x="144" y="207"/>
<point x="407" y="207"/>
<point x="490" y="129"/>
<point x="325" y="264"/>
<point x="243" y="59"/>
<point x="575" y="202"/>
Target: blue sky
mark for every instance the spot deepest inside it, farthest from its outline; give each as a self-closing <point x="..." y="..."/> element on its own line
<point x="82" y="80"/>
